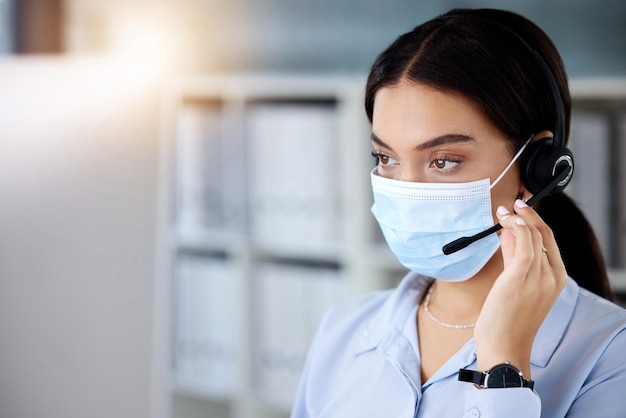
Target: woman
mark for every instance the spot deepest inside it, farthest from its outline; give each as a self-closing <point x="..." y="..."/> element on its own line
<point x="460" y="108"/>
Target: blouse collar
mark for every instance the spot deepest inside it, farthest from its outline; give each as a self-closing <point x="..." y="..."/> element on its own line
<point x="402" y="302"/>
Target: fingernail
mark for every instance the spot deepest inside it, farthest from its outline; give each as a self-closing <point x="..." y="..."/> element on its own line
<point x="503" y="212"/>
<point x="520" y="221"/>
<point x="520" y="203"/>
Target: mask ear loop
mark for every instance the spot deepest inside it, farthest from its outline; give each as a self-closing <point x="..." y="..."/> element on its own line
<point x="515" y="158"/>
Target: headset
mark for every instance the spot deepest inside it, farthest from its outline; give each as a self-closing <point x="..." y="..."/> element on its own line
<point x="546" y="165"/>
<point x="546" y="158"/>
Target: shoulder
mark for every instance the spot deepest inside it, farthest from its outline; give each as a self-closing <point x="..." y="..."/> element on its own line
<point x="346" y="319"/>
<point x="598" y="329"/>
<point x="361" y="322"/>
<point x="581" y="326"/>
<point x="344" y="352"/>
<point x="597" y="320"/>
<point x="376" y="311"/>
<point x="592" y="357"/>
<point x="342" y="333"/>
<point x="591" y="307"/>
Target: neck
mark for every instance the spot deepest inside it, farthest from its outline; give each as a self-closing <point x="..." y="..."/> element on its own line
<point x="461" y="302"/>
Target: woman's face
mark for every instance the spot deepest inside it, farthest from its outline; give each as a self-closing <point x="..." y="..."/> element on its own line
<point x="426" y="135"/>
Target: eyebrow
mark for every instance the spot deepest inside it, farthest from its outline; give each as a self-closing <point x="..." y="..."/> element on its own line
<point x="375" y="139"/>
<point x="435" y="142"/>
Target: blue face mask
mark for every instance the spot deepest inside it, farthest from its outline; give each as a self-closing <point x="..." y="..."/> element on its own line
<point x="418" y="219"/>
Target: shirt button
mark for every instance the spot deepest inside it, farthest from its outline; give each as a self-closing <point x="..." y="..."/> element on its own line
<point x="472" y="413"/>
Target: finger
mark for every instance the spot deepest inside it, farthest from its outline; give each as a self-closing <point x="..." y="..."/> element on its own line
<point x="537" y="240"/>
<point x="554" y="262"/>
<point x="534" y="246"/>
<point x="507" y="238"/>
<point x="510" y="223"/>
<point x="519" y="251"/>
<point x="547" y="244"/>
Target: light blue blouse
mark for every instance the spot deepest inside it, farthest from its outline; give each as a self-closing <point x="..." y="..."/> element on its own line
<point x="364" y="362"/>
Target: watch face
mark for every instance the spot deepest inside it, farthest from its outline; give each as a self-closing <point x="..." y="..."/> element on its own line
<point x="504" y="377"/>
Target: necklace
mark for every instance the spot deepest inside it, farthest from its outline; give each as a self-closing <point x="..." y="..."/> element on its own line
<point x="437" y="320"/>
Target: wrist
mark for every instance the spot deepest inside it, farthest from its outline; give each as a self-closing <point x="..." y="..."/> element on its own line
<point x="503" y="375"/>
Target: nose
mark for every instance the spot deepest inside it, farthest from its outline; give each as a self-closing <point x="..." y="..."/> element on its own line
<point x="410" y="174"/>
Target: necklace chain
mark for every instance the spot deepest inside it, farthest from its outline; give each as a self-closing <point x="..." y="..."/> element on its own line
<point x="437" y="320"/>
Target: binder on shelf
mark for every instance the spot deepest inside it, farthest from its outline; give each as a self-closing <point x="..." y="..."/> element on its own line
<point x="205" y="349"/>
<point x="294" y="174"/>
<point x="199" y="195"/>
<point x="291" y="302"/>
<point x="234" y="158"/>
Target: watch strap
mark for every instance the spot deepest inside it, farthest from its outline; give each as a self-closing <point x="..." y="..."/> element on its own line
<point x="472" y="376"/>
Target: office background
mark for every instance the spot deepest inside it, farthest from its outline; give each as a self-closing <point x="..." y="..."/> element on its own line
<point x="85" y="286"/>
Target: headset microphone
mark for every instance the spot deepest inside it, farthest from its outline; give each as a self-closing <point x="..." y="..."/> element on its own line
<point x="460" y="243"/>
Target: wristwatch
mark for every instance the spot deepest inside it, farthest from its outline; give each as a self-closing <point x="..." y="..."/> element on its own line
<point x="502" y="375"/>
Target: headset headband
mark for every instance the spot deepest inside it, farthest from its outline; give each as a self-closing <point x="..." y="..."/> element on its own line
<point x="556" y="100"/>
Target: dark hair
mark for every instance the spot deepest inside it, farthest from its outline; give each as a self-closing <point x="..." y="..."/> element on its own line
<point x="478" y="53"/>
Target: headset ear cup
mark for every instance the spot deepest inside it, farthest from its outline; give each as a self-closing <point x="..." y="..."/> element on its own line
<point x="541" y="163"/>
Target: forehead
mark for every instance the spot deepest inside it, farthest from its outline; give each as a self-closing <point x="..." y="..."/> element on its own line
<point x="409" y="111"/>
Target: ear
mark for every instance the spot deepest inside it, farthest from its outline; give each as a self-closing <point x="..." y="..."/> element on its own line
<point x="542" y="135"/>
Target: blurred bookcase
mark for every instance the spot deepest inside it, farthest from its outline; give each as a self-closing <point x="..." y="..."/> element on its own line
<point x="598" y="141"/>
<point x="265" y="223"/>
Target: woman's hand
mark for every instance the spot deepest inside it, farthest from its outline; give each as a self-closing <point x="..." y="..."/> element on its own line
<point x="523" y="294"/>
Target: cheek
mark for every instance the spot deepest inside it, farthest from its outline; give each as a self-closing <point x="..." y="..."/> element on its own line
<point x="506" y="191"/>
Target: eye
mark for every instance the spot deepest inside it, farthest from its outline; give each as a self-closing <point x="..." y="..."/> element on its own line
<point x="445" y="163"/>
<point x="382" y="159"/>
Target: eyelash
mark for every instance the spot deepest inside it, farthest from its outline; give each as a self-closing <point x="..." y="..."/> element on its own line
<point x="379" y="158"/>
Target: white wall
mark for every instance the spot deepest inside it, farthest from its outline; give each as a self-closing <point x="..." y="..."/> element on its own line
<point x="78" y="163"/>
